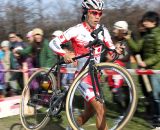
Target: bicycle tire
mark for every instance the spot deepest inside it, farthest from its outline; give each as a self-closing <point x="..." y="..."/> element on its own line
<point x="131" y="106"/>
<point x="17" y="126"/>
<point x="38" y="99"/>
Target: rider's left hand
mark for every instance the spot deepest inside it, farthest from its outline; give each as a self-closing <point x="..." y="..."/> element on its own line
<point x="120" y="48"/>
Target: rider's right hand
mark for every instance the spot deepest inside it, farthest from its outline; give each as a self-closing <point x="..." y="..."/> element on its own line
<point x="68" y="58"/>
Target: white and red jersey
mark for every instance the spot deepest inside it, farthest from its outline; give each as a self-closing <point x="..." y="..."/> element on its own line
<point x="80" y="35"/>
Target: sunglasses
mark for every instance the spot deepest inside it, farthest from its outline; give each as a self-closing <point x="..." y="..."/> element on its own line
<point x="95" y="12"/>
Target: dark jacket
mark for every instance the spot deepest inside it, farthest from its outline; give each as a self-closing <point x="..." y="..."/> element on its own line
<point x="149" y="48"/>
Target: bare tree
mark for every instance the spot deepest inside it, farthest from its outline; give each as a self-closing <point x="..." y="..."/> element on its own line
<point x="23" y="15"/>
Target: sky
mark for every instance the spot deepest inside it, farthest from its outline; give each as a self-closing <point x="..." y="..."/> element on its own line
<point x="54" y="3"/>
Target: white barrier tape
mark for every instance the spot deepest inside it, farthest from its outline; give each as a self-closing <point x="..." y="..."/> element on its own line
<point x="72" y="70"/>
<point x="141" y="72"/>
<point x="132" y="71"/>
<point x="20" y="70"/>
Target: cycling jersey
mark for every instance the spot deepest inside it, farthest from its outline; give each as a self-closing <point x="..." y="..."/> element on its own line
<point x="80" y="35"/>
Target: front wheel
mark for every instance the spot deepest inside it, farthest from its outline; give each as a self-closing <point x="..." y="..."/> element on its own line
<point x="120" y="102"/>
<point x="34" y="108"/>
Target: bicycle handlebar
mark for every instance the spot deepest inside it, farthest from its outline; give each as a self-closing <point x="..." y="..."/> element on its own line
<point x="94" y="34"/>
<point x="98" y="42"/>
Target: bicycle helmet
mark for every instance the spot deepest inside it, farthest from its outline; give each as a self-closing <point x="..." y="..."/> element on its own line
<point x="93" y="4"/>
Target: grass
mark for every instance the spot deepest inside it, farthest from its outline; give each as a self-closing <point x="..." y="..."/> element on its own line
<point x="138" y="122"/>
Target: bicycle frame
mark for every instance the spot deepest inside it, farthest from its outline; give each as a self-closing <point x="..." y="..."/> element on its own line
<point x="92" y="72"/>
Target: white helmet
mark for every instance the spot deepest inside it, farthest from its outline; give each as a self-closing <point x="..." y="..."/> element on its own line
<point x="29" y="34"/>
<point x="121" y="25"/>
<point x="5" y="43"/>
<point x="57" y="33"/>
<point x="93" y="4"/>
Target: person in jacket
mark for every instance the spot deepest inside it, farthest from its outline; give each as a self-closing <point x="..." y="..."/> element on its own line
<point x="42" y="55"/>
<point x="2" y="75"/>
<point x="149" y="48"/>
<point x="116" y="82"/>
<point x="29" y="37"/>
<point x="16" y="41"/>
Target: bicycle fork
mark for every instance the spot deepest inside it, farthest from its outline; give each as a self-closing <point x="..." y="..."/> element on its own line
<point x="95" y="82"/>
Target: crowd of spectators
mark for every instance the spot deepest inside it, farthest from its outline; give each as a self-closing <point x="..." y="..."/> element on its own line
<point x="34" y="50"/>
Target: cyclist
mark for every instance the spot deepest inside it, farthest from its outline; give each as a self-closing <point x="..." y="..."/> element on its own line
<point x="80" y="35"/>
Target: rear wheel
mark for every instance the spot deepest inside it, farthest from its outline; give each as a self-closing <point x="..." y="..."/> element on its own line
<point x="120" y="106"/>
<point x="17" y="126"/>
<point x="34" y="108"/>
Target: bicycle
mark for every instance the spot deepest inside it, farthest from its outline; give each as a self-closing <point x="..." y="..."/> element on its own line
<point x="46" y="99"/>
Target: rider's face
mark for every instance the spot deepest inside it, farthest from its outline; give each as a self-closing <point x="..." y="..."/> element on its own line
<point x="93" y="17"/>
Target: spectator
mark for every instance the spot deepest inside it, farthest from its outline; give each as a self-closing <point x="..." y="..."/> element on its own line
<point x="39" y="50"/>
<point x="6" y="64"/>
<point x="142" y="32"/>
<point x="149" y="46"/>
<point x="16" y="41"/>
<point x="141" y="29"/>
<point x="116" y="82"/>
<point x="6" y="59"/>
<point x="2" y="73"/>
<point x="119" y="31"/>
<point x="29" y="37"/>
